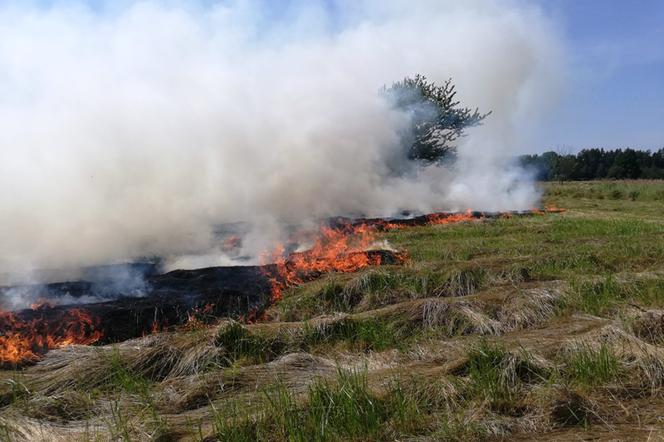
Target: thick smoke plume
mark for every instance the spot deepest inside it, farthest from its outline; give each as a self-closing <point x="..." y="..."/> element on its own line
<point x="132" y="129"/>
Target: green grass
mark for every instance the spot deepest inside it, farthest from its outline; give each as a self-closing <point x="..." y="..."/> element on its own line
<point x="608" y="294"/>
<point x="496" y="376"/>
<point x="362" y="335"/>
<point x="239" y="343"/>
<point x="374" y="288"/>
<point x="489" y="378"/>
<point x="548" y="249"/>
<point x="231" y="424"/>
<point x="461" y="259"/>
<point x="627" y="199"/>
<point x="589" y="366"/>
<point x="607" y="251"/>
<point x="608" y="248"/>
<point x="456" y="429"/>
<point x="597" y="297"/>
<point x="344" y="408"/>
<point x="651" y="191"/>
<point x="561" y="246"/>
<point x="332" y="410"/>
<point x="122" y="378"/>
<point x="13" y="389"/>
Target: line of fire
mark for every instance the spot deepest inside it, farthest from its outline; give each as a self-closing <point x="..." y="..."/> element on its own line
<point x="176" y="298"/>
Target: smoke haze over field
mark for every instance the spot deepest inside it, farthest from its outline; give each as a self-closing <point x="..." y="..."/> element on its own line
<point x="133" y="130"/>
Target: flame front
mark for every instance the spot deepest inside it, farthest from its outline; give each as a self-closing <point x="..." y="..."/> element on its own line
<point x="24" y="341"/>
<point x="344" y="248"/>
<point x="333" y="250"/>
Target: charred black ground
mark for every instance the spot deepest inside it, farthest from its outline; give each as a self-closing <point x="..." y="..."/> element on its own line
<point x="141" y="301"/>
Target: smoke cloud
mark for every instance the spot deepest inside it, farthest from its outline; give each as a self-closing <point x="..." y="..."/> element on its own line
<point x="132" y="129"/>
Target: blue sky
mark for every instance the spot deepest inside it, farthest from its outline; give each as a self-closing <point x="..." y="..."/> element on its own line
<point x="615" y="91"/>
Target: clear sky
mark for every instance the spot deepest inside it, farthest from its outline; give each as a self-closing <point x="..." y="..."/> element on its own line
<point x="615" y="90"/>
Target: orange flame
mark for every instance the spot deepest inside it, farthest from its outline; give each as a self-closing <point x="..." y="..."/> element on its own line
<point x="231" y="243"/>
<point x="41" y="303"/>
<point x="450" y="218"/>
<point x="24" y="341"/>
<point x="344" y="248"/>
<point x="332" y="251"/>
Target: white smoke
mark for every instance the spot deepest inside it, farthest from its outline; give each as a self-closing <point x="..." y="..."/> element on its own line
<point x="132" y="129"/>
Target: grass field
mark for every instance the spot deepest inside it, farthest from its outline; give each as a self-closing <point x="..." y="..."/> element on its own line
<point x="546" y="327"/>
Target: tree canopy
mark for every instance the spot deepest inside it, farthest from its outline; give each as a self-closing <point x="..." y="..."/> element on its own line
<point x="437" y="118"/>
<point x="595" y="163"/>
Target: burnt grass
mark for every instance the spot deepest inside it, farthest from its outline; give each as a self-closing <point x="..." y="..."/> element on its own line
<point x="165" y="300"/>
<point x="168" y="299"/>
<point x="544" y="327"/>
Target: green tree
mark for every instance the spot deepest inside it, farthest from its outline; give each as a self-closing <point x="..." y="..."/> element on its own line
<point x="587" y="164"/>
<point x="625" y="165"/>
<point x="597" y="163"/>
<point x="437" y="119"/>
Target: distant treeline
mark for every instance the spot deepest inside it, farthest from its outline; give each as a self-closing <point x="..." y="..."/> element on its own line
<point x="592" y="164"/>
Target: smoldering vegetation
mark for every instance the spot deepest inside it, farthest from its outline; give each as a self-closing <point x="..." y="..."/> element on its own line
<point x="83" y="286"/>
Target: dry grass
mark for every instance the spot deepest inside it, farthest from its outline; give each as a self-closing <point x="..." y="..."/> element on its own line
<point x="546" y="327"/>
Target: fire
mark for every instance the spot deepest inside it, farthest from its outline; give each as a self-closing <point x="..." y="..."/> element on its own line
<point x="334" y="250"/>
<point x="547" y="209"/>
<point x="231" y="243"/>
<point x="345" y="247"/>
<point x="554" y="209"/>
<point x="25" y="341"/>
<point x="41" y="303"/>
<point x="449" y="218"/>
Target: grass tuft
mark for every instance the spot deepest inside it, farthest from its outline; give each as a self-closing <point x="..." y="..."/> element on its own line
<point x="608" y="294"/>
<point x="489" y="377"/>
<point x="500" y="377"/>
<point x="360" y="335"/>
<point x="332" y="410"/>
<point x="589" y="366"/>
<point x="122" y="378"/>
<point x="343" y="408"/>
